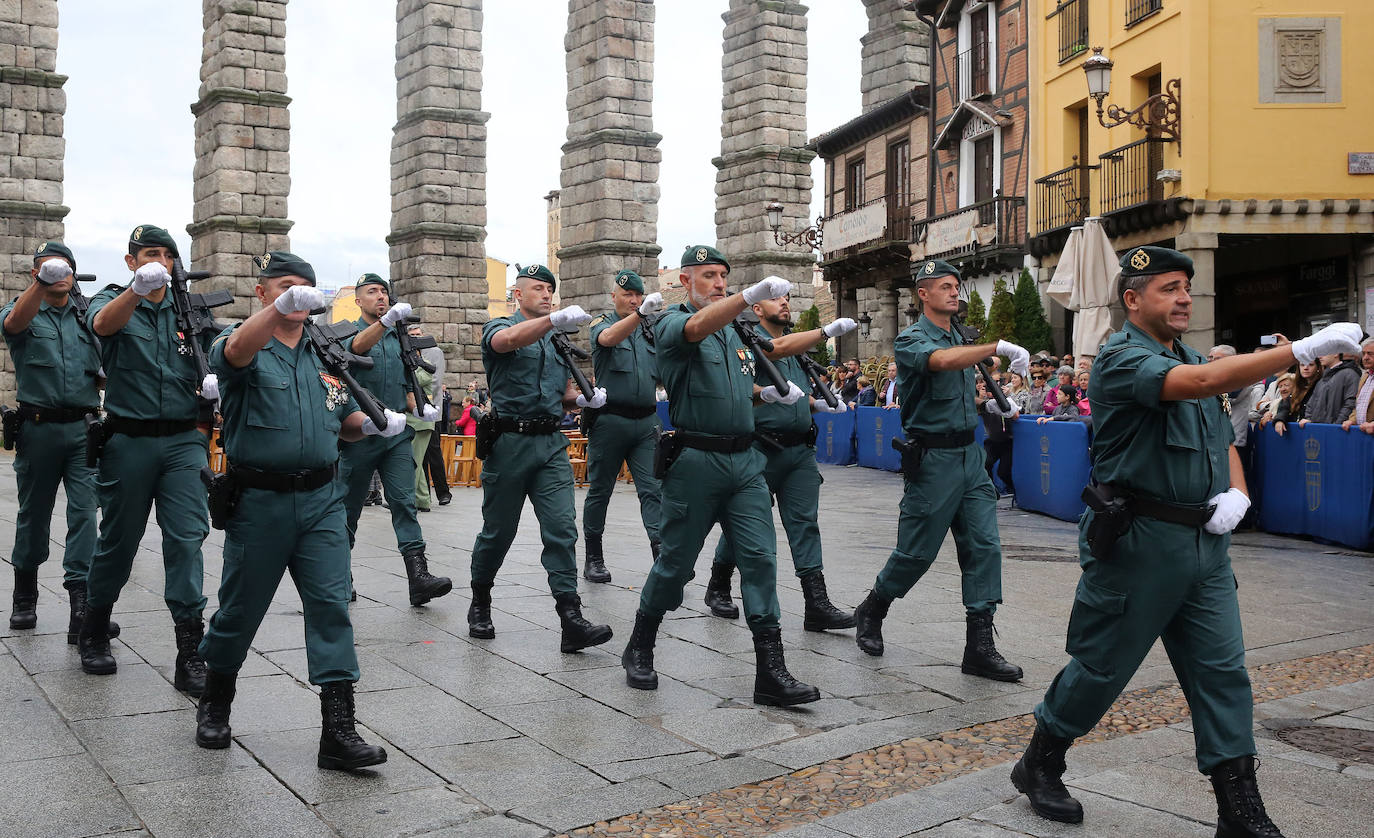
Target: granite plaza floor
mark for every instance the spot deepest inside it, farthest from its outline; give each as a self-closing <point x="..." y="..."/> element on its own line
<point x="509" y="737"/>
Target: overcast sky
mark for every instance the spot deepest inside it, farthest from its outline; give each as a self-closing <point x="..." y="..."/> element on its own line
<point x="134" y="72"/>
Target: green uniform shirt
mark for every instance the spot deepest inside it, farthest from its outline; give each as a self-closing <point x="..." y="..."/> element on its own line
<point x="281" y="412"/>
<point x="426" y="381"/>
<point x="1172" y="451"/>
<point x="932" y="402"/>
<point x="627" y="370"/>
<point x="528" y="382"/>
<point x="387" y="378"/>
<point x="710" y="384"/>
<point x="55" y="359"/>
<point x="149" y="370"/>
<point x="783" y="418"/>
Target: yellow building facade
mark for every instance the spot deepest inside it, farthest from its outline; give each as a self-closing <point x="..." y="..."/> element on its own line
<point x="1258" y="160"/>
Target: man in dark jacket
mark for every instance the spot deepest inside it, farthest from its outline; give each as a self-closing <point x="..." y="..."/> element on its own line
<point x="1333" y="397"/>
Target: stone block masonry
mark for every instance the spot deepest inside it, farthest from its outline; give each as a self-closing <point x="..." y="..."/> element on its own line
<point x="895" y="52"/>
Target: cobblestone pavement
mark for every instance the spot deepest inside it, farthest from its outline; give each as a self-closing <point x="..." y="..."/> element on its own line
<point x="511" y="738"/>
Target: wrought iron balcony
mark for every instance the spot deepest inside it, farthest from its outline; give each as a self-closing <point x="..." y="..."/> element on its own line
<point x="1138" y="10"/>
<point x="973" y="72"/>
<point x="1073" y="28"/>
<point x="1063" y="198"/>
<point x="994" y="226"/>
<point x="1128" y="175"/>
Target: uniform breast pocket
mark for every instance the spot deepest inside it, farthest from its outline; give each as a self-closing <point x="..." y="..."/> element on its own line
<point x="1183" y="428"/>
<point x="269" y="401"/>
<point x="623" y="358"/>
<point x="947" y="385"/>
<point x="700" y="383"/>
<point x="523" y="366"/>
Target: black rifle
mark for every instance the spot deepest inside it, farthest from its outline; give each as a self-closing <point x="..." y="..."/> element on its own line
<point x="760" y="345"/>
<point x="971" y="335"/>
<point x="572" y="353"/>
<point x="327" y="342"/>
<point x="194" y="320"/>
<point x="410" y="356"/>
<point x="814" y="371"/>
<point x="646" y="325"/>
<point x="81" y="305"/>
<point x="11" y="421"/>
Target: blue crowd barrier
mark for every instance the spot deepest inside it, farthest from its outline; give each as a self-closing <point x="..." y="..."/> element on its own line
<point x="1317" y="481"/>
<point x="1050" y="466"/>
<point x="835" y="438"/>
<point x="663" y="416"/>
<point x="874" y="430"/>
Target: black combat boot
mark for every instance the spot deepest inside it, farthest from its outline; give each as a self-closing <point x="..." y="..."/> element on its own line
<point x="424" y="586"/>
<point x="718" y="592"/>
<point x="773" y="684"/>
<point x="1038" y="775"/>
<point x="93" y="642"/>
<point x="821" y="613"/>
<point x="868" y="618"/>
<point x="341" y="748"/>
<point x="212" y="714"/>
<point x="479" y="612"/>
<point x="595" y="569"/>
<point x="76" y="599"/>
<point x="981" y="657"/>
<point x="190" y="670"/>
<point x="24" y="615"/>
<point x="1240" y="811"/>
<point x="577" y="632"/>
<point x="638" y="657"/>
<point x="654" y="548"/>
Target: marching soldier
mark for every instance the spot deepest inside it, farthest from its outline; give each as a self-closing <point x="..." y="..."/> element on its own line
<point x="284" y="413"/>
<point x="154" y="451"/>
<point x="625" y="428"/>
<point x="530" y="388"/>
<point x="790" y="470"/>
<point x="717" y="474"/>
<point x="57" y="364"/>
<point x="391" y="457"/>
<point x="947" y="487"/>
<point x="1154" y="543"/>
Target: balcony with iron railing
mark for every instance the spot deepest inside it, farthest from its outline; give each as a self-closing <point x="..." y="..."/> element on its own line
<point x="1063" y="198"/>
<point x="899" y="211"/>
<point x="1138" y="10"/>
<point x="1073" y="28"/>
<point x="1129" y="176"/>
<point x="973" y="72"/>
<point x="985" y="231"/>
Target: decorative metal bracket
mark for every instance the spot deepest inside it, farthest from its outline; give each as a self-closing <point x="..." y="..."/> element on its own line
<point x="1158" y="114"/>
<point x="810" y="236"/>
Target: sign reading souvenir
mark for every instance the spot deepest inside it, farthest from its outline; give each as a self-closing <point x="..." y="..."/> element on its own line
<point x="855" y="227"/>
<point x="952" y="233"/>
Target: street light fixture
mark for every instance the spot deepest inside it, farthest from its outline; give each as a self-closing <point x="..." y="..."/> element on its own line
<point x="1158" y="114"/>
<point x="811" y="236"/>
<point x="865" y="324"/>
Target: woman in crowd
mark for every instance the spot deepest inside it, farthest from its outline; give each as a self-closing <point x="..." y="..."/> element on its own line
<point x="1294" y="407"/>
<point x="467" y="421"/>
<point x="1283" y="386"/>
<point x="1082" y="382"/>
<point x="868" y="396"/>
<point x="1038" y="390"/>
<point x="1065" y="374"/>
<point x="1019" y="394"/>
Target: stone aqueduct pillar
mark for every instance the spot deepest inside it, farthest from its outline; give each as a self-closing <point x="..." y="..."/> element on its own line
<point x="763" y="138"/>
<point x="895" y="52"/>
<point x="243" y="146"/>
<point x="439" y="176"/>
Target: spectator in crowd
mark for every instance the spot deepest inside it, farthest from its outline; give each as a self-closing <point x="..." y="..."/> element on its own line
<point x="660" y="394"/>
<point x="467" y="419"/>
<point x="1081" y="382"/>
<point x="1038" y="390"/>
<point x="1283" y="387"/>
<point x="849" y="387"/>
<point x="1018" y="393"/>
<point x="1242" y="402"/>
<point x="868" y="397"/>
<point x="996" y="435"/>
<point x="1065" y="376"/>
<point x="479" y="393"/>
<point x="1066" y="406"/>
<point x="1085" y="364"/>
<point x="1333" y="398"/>
<point x="887" y="392"/>
<point x="1294" y="408"/>
<point x="1363" y="414"/>
<point x="1066" y="361"/>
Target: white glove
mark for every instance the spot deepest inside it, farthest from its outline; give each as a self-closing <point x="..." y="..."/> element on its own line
<point x="598" y="399"/>
<point x="770" y="393"/>
<point x="1231" y="507"/>
<point x="1020" y="358"/>
<point x="395" y="314"/>
<point x="54" y="271"/>
<point x="652" y="304"/>
<point x="822" y="406"/>
<point x="149" y="278"/>
<point x="767" y="289"/>
<point x="995" y="410"/>
<point x="428" y="413"/>
<point x="842" y="326"/>
<point x="209" y="387"/>
<point x="572" y="316"/>
<point x="299" y="298"/>
<point x="1338" y="337"/>
<point x="395" y="423"/>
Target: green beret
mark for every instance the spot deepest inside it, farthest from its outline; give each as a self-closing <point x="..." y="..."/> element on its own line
<point x="932" y="268"/>
<point x="703" y="254"/>
<point x="371" y="279"/>
<point x="54" y="249"/>
<point x="281" y="263"/>
<point x="147" y="235"/>
<point x="630" y="281"/>
<point x="538" y="272"/>
<point x="1150" y="260"/>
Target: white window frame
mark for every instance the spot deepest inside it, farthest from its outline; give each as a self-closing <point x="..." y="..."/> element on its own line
<point x="988" y="8"/>
<point x="966" y="165"/>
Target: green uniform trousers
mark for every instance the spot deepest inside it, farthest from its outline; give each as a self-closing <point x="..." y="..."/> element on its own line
<point x="951" y="493"/>
<point x="418" y="446"/>
<point x="276" y="532"/>
<point x="615" y="440"/>
<point x="795" y="483"/>
<point x="48" y="454"/>
<point x="134" y="472"/>
<point x="1163" y="581"/>
<point x="702" y="488"/>
<point x="392" y="458"/>
<point x="533" y="466"/>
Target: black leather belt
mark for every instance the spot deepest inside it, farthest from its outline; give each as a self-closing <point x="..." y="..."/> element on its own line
<point x="955" y="440"/>
<point x="1173" y="513"/>
<point x="532" y="425"/>
<point x="41" y="415"/>
<point x="281" y="481"/>
<point x="788" y="439"/>
<point x="147" y="427"/>
<point x="718" y="444"/>
<point x="628" y="411"/>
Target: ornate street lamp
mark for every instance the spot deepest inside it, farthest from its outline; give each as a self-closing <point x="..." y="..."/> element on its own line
<point x="865" y="324"/>
<point x="1158" y="114"/>
<point x="811" y="236"/>
<point x="911" y="313"/>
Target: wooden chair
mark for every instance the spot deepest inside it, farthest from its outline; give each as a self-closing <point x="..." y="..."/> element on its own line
<point x="577" y="455"/>
<point x="460" y="460"/>
<point x="217" y="461"/>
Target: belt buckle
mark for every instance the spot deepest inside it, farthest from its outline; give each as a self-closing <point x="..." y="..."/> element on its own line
<point x="298" y="481"/>
<point x="522" y="426"/>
